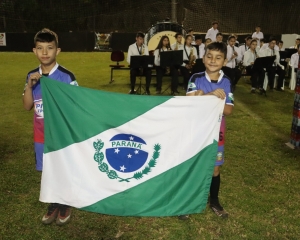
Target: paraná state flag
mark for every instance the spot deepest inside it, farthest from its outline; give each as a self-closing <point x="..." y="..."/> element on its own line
<point x="128" y="155"/>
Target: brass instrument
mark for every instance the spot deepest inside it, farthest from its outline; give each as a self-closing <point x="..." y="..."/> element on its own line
<point x="191" y="59"/>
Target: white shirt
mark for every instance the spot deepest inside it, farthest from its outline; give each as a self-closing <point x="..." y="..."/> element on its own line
<point x="179" y="46"/>
<point x="243" y="49"/>
<point x="295" y="60"/>
<point x="187" y="50"/>
<point x="270" y="52"/>
<point x="249" y="57"/>
<point x="157" y="56"/>
<point x="134" y="50"/>
<point x="266" y="45"/>
<point x="258" y="35"/>
<point x="211" y="33"/>
<point x="201" y="50"/>
<point x="232" y="62"/>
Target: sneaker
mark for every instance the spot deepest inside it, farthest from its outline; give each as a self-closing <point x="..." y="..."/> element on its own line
<point x="51" y="214"/>
<point x="218" y="210"/>
<point x="263" y="91"/>
<point x="183" y="217"/>
<point x="158" y="91"/>
<point x="253" y="90"/>
<point x="132" y="92"/>
<point x="147" y="92"/>
<point x="64" y="215"/>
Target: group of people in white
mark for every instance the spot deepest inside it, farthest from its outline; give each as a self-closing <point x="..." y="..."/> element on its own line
<point x="240" y="59"/>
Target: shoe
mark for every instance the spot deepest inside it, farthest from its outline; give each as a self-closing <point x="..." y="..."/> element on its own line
<point x="183" y="217"/>
<point x="253" y="90"/>
<point x="158" y="91"/>
<point x="132" y="92"/>
<point x="218" y="209"/>
<point x="148" y="92"/>
<point x="279" y="90"/>
<point x="64" y="215"/>
<point x="51" y="214"/>
<point x="176" y="91"/>
<point x="173" y="93"/>
<point x="262" y="92"/>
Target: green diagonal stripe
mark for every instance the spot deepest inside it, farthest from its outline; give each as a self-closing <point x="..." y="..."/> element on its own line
<point x="73" y="114"/>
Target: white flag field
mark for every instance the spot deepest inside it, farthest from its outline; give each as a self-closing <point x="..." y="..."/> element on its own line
<point x="128" y="155"/>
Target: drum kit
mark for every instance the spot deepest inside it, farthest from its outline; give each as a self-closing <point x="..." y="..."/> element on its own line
<point x="156" y="31"/>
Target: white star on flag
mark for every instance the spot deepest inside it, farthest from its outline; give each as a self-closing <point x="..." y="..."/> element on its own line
<point x="136" y="151"/>
<point x="117" y="150"/>
<point x="131" y="138"/>
<point x="129" y="155"/>
<point x="122" y="168"/>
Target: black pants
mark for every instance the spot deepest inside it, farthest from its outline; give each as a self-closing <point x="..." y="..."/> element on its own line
<point x="174" y="77"/>
<point x="271" y="75"/>
<point x="234" y="75"/>
<point x="134" y="72"/>
<point x="257" y="76"/>
<point x="186" y="76"/>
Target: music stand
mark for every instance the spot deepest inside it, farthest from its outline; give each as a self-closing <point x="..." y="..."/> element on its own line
<point x="264" y="62"/>
<point x="290" y="52"/>
<point x="170" y="59"/>
<point x="141" y="62"/>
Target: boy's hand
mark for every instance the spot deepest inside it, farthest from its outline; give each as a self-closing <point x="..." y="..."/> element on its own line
<point x="33" y="79"/>
<point x="199" y="93"/>
<point x="218" y="93"/>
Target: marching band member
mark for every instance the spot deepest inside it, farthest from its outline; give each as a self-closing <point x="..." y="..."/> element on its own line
<point x="189" y="56"/>
<point x="177" y="45"/>
<point x="276" y="68"/>
<point x="164" y="45"/>
<point x="199" y="46"/>
<point x="135" y="49"/>
<point x="212" y="32"/>
<point x="233" y="58"/>
<point x="257" y="73"/>
<point x="258" y="35"/>
<point x="191" y="32"/>
<point x="244" y="47"/>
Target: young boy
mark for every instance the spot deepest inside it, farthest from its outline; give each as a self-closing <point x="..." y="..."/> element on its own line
<point x="214" y="82"/>
<point x="136" y="49"/>
<point x="46" y="49"/>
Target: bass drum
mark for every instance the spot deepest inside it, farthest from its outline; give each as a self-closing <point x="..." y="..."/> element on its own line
<point x="160" y="29"/>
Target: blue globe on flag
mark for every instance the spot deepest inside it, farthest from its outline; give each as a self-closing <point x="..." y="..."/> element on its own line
<point x="127" y="153"/>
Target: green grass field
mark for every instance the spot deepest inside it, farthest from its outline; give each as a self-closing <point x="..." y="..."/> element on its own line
<point x="260" y="186"/>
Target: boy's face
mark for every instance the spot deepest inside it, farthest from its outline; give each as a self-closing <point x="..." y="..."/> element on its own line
<point x="248" y="42"/>
<point x="139" y="41"/>
<point x="214" y="60"/>
<point x="46" y="52"/>
<point x="297" y="41"/>
<point x="280" y="45"/>
<point x="272" y="44"/>
<point x="215" y="26"/>
<point x="179" y="38"/>
<point x="219" y="38"/>
<point x="188" y="40"/>
<point x="198" y="41"/>
<point x="257" y="29"/>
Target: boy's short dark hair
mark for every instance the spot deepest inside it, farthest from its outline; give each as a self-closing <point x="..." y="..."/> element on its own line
<point x="178" y="34"/>
<point x="272" y="39"/>
<point x="263" y="40"/>
<point x="298" y="39"/>
<point x="207" y="39"/>
<point x="280" y="41"/>
<point x="198" y="37"/>
<point x="219" y="34"/>
<point x="140" y="34"/>
<point x="217" y="46"/>
<point x="190" y="30"/>
<point x="253" y="40"/>
<point x="248" y="38"/>
<point x="298" y="46"/>
<point x="214" y="22"/>
<point x="46" y="35"/>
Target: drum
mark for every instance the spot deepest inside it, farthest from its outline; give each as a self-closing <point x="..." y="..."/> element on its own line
<point x="160" y="29"/>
